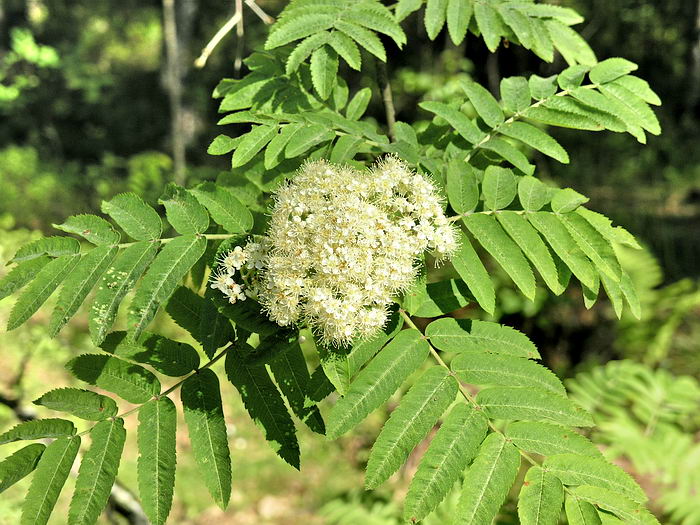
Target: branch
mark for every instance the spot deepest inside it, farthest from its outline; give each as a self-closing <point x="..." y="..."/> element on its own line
<point x="385" y="88"/>
<point x="220" y="34"/>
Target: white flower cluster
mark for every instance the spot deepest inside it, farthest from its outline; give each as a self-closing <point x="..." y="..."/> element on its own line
<point x="341" y="244"/>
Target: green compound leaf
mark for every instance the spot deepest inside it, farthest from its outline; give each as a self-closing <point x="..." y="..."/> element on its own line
<point x="408" y="425"/>
<point x="292" y="377"/>
<point x="462" y="188"/>
<point x="453" y="335"/>
<point x="530" y="404"/>
<point x="529" y="241"/>
<point x="626" y="509"/>
<point x="98" y="471"/>
<point x="579" y="512"/>
<point x="487" y="482"/>
<point x="92" y="228"/>
<point x="183" y="211"/>
<point x="558" y="237"/>
<point x="479" y="368"/>
<point x="324" y="70"/>
<point x="548" y="439"/>
<point x="224" y="207"/>
<point x="47" y="482"/>
<point x="470" y="268"/>
<point x="81" y="403"/>
<point x="455" y="444"/>
<point x="38" y="429"/>
<point x="51" y="246"/>
<point x="78" y="284"/>
<point x="20" y="464"/>
<point x="573" y="469"/>
<point x="22" y="274"/>
<point x="492" y="237"/>
<point x="156" y="464"/>
<point x="484" y="104"/>
<point x="116" y="283"/>
<point x="131" y="382"/>
<point x="171" y="358"/>
<point x="39" y="290"/>
<point x="265" y="405"/>
<point x="378" y="381"/>
<point x="162" y="278"/>
<point x="136" y="218"/>
<point x="499" y="187"/>
<point x="540" y="499"/>
<point x="535" y="138"/>
<point x="204" y="415"/>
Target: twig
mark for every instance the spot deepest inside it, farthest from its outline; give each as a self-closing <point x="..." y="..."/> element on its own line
<point x="385" y="88"/>
<point x="220" y="34"/>
<point x="262" y="15"/>
<point x="238" y="62"/>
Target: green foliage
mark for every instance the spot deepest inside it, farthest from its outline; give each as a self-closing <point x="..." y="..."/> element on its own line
<point x="503" y="406"/>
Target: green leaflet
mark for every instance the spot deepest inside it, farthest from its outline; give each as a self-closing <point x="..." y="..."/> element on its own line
<point x="204" y="415"/>
<point x="298" y="27"/>
<point x="51" y="246"/>
<point x="453" y="447"/>
<point x="81" y="403"/>
<point x="378" y="381"/>
<point x="570" y="44"/>
<point x="214" y="329"/>
<point x="629" y="511"/>
<point x="345" y="149"/>
<point x="171" y="358"/>
<point x="558" y="237"/>
<point x="156" y="464"/>
<point x="246" y="314"/>
<point x="20" y="464"/>
<point x="304" y="49"/>
<point x="515" y="93"/>
<point x="593" y="244"/>
<point x="39" y="290"/>
<point x="630" y="293"/>
<point x="305" y="137"/>
<point x="78" y="284"/>
<point x="510" y="153"/>
<point x="21" y="274"/>
<point x="221" y="145"/>
<point x="470" y="268"/>
<point x="224" y="207"/>
<point x="47" y="482"/>
<point x="499" y="187"/>
<point x="487" y="482"/>
<point x="251" y="143"/>
<point x="292" y="377"/>
<point x="136" y="218"/>
<point x="548" y="439"/>
<point x="131" y="382"/>
<point x="91" y="227"/>
<point x="490" y="24"/>
<point x="480" y="368"/>
<point x="417" y="413"/>
<point x="530" y="404"/>
<point x="529" y="241"/>
<point x="116" y="283"/>
<point x="38" y="429"/>
<point x="366" y="39"/>
<point x="183" y="211"/>
<point x="573" y="469"/>
<point x="492" y="237"/>
<point x="185" y="308"/>
<point x="435" y="299"/>
<point x="518" y="23"/>
<point x="453" y="335"/>
<point x="167" y="270"/>
<point x="345" y="47"/>
<point x="484" y="104"/>
<point x="274" y="153"/>
<point x="324" y="70"/>
<point x="435" y="14"/>
<point x="640" y="88"/>
<point x="532" y="193"/>
<point x="541" y="87"/>
<point x="535" y="138"/>
<point x="363" y="351"/>
<point x="264" y="403"/>
<point x="455" y="118"/>
<point x="635" y="106"/>
<point x="462" y="188"/>
<point x="98" y="470"/>
<point x="358" y="103"/>
<point x="406" y="7"/>
<point x="566" y="200"/>
<point x="540" y="498"/>
<point x="580" y="512"/>
<point x="458" y="15"/>
<point x="604" y="226"/>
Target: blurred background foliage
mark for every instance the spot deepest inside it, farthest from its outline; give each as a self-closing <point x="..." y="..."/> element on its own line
<point x="86" y="111"/>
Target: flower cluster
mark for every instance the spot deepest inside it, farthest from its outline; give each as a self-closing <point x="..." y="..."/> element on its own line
<point x="341" y="243"/>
